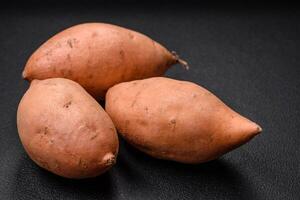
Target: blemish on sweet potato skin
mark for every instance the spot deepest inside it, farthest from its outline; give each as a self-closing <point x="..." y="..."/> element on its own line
<point x="69" y="57"/>
<point x="66" y="105"/>
<point x="122" y="54"/>
<point x="95" y="34"/>
<point x="173" y="124"/>
<point x="131" y="35"/>
<point x="70" y="43"/>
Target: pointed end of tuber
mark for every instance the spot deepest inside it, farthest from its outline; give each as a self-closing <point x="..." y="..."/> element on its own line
<point x="259" y="129"/>
<point x="24" y="75"/>
<point x="249" y="132"/>
<point x="109" y="159"/>
<point x="182" y="62"/>
<point x="242" y="130"/>
<point x="254" y="129"/>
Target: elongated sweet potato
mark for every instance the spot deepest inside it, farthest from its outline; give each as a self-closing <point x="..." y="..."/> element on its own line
<point x="176" y="120"/>
<point x="97" y="56"/>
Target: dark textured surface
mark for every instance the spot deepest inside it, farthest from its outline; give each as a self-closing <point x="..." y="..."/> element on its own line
<point x="249" y="57"/>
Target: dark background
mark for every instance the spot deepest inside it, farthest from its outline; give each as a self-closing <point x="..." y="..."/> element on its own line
<point x="247" y="54"/>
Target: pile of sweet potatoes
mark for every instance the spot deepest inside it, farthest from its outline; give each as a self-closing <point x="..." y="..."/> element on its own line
<point x="64" y="129"/>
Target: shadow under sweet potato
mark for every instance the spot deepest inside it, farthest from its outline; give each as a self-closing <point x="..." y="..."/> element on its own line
<point x="137" y="175"/>
<point x="36" y="182"/>
<point x="185" y="179"/>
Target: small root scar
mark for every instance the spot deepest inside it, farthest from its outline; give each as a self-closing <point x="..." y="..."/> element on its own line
<point x="94" y="136"/>
<point x="173" y="124"/>
<point x="121" y="52"/>
<point x="94" y="34"/>
<point x="46" y="130"/>
<point x="82" y="163"/>
<point x="131" y="36"/>
<point x="70" y="43"/>
<point x="66" y="105"/>
<point x="56" y="166"/>
<point x="43" y="131"/>
<point x="135" y="98"/>
<point x="146" y="109"/>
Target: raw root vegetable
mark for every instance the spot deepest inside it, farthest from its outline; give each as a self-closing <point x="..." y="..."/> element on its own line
<point x="64" y="130"/>
<point x="176" y="120"/>
<point x="98" y="56"/>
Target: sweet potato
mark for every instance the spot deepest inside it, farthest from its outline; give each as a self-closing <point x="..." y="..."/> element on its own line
<point x="176" y="120"/>
<point x="64" y="130"/>
<point x="97" y="56"/>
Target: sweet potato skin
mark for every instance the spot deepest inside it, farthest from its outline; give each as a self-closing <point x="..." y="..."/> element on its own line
<point x="176" y="120"/>
<point x="98" y="56"/>
<point x="64" y="130"/>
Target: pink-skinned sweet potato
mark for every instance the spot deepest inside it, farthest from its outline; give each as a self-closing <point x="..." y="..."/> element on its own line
<point x="176" y="120"/>
<point x="98" y="56"/>
<point x="64" y="130"/>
